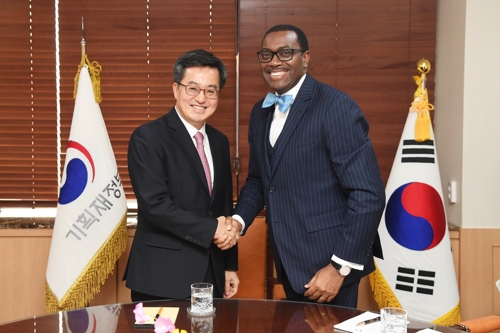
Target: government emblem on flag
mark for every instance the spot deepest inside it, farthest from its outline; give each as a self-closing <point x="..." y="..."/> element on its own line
<point x="417" y="272"/>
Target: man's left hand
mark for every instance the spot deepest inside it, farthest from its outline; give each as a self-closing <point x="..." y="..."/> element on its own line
<point x="325" y="285"/>
<point x="231" y="285"/>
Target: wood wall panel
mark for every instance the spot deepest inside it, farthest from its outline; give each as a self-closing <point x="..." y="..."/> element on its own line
<point x="479" y="270"/>
<point x="496" y="277"/>
<point x="22" y="272"/>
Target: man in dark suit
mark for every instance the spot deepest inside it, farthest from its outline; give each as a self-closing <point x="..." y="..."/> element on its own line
<point x="313" y="167"/>
<point x="183" y="189"/>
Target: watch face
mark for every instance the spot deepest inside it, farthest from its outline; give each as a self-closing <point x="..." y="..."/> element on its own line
<point x="344" y="270"/>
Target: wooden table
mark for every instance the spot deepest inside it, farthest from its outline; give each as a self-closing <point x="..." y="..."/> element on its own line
<point x="232" y="316"/>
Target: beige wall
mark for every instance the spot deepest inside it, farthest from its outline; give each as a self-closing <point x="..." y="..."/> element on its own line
<point x="467" y="130"/>
<point x="449" y="91"/>
<point x="467" y="116"/>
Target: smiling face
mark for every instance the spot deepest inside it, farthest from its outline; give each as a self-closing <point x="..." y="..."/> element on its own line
<point x="197" y="109"/>
<point x="282" y="76"/>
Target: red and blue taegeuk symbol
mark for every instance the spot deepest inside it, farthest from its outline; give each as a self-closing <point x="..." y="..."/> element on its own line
<point x="76" y="175"/>
<point x="415" y="216"/>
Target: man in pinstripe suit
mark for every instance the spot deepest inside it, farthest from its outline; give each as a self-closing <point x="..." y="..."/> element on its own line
<point x="314" y="169"/>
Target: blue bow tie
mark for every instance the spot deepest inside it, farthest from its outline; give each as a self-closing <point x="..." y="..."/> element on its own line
<point x="284" y="101"/>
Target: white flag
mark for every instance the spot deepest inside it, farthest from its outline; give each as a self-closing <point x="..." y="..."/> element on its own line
<point x="90" y="226"/>
<point x="417" y="272"/>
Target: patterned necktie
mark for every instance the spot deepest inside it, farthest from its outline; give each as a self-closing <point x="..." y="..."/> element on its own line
<point x="201" y="151"/>
<point x="284" y="101"/>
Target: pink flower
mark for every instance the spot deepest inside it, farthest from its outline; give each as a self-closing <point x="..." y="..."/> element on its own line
<point x="164" y="325"/>
<point x="140" y="316"/>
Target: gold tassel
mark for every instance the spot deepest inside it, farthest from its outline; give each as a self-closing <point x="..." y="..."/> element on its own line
<point x="451" y="318"/>
<point x="93" y="276"/>
<point x="382" y="292"/>
<point x="95" y="76"/>
<point x="385" y="297"/>
<point x="422" y="106"/>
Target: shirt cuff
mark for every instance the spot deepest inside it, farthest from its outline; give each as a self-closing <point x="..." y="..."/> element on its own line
<point x="239" y="219"/>
<point x="346" y="263"/>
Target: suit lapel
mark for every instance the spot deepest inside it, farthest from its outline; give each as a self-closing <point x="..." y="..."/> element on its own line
<point x="297" y="111"/>
<point x="185" y="142"/>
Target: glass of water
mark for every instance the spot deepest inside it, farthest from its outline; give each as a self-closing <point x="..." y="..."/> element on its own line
<point x="393" y="320"/>
<point x="202" y="301"/>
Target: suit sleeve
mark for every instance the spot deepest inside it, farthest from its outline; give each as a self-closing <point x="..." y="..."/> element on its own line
<point x="149" y="176"/>
<point x="251" y="200"/>
<point x="351" y="154"/>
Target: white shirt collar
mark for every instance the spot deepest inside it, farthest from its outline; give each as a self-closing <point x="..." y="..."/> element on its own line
<point x="295" y="90"/>
<point x="190" y="128"/>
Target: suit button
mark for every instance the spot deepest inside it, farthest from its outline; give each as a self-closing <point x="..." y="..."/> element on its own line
<point x="187" y="237"/>
<point x="271" y="190"/>
<point x="210" y="213"/>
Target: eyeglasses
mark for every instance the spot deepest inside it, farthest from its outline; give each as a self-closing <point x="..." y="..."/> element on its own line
<point x="195" y="90"/>
<point x="283" y="55"/>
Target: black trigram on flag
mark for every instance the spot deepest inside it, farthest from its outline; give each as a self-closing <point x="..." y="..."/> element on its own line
<point x="411" y="280"/>
<point x="418" y="152"/>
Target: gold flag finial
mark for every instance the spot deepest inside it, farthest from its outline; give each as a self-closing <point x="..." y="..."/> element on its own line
<point x="421" y="103"/>
<point x="423" y="66"/>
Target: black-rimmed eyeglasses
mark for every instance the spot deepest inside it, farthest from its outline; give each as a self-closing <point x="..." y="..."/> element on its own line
<point x="283" y="55"/>
<point x="193" y="90"/>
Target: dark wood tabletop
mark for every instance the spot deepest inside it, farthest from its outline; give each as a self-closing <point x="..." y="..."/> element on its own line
<point x="232" y="315"/>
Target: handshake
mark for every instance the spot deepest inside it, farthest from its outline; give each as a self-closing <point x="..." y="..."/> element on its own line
<point x="227" y="233"/>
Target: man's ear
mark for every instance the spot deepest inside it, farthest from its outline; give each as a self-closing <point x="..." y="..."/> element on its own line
<point x="175" y="89"/>
<point x="305" y="58"/>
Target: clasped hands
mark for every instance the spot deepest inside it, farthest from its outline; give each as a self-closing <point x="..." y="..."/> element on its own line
<point x="227" y="233"/>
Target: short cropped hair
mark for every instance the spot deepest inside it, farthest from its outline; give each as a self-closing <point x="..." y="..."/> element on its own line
<point x="196" y="58"/>
<point x="301" y="36"/>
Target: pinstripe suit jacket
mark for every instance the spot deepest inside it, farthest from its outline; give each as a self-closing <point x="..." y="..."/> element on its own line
<point x="322" y="188"/>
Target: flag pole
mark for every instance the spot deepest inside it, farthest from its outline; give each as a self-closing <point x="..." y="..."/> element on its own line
<point x="423" y="67"/>
<point x="93" y="67"/>
<point x="83" y="38"/>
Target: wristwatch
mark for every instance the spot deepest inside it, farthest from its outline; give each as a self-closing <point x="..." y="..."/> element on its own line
<point x="343" y="270"/>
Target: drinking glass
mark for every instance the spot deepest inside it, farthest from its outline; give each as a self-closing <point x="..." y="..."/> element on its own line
<point x="393" y="320"/>
<point x="202" y="301"/>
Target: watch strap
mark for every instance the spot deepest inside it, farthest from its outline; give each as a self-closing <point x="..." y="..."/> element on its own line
<point x="336" y="265"/>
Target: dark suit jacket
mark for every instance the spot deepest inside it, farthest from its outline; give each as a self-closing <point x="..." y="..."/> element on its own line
<point x="321" y="186"/>
<point x="176" y="215"/>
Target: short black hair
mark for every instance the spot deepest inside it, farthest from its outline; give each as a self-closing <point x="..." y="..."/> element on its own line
<point x="196" y="58"/>
<point x="301" y="36"/>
